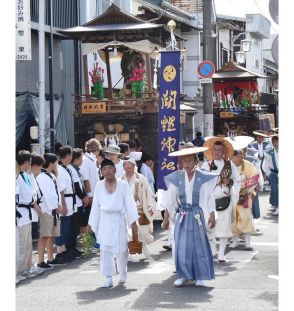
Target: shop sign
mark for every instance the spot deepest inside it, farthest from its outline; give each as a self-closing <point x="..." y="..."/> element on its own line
<point x="93" y="107"/>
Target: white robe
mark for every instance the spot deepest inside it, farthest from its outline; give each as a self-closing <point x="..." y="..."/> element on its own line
<point x="223" y="227"/>
<point x="110" y="215"/>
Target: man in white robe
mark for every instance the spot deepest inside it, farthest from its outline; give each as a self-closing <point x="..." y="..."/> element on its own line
<point x="219" y="153"/>
<point x="113" y="209"/>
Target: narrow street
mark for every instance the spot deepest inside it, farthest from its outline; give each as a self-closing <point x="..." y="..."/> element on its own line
<point x="248" y="281"/>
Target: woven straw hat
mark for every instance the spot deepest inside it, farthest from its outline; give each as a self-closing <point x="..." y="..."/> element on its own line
<point x="261" y="133"/>
<point x="240" y="142"/>
<point x="187" y="151"/>
<point x="209" y="143"/>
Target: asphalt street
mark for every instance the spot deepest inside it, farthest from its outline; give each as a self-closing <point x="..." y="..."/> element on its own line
<point x="248" y="281"/>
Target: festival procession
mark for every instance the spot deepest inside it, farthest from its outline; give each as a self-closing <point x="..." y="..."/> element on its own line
<point x="147" y="155"/>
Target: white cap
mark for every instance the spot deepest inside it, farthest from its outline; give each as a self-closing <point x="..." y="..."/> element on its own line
<point x="136" y="155"/>
<point x="130" y="159"/>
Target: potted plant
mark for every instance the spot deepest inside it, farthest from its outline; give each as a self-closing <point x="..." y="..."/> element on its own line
<point x="97" y="80"/>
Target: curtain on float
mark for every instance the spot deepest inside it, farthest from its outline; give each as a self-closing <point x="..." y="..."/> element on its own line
<point x="27" y="115"/>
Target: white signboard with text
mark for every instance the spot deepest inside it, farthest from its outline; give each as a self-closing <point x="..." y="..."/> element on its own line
<point x="23" y="30"/>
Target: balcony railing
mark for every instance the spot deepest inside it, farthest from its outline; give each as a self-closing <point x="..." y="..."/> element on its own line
<point x="88" y="104"/>
<point x="238" y="111"/>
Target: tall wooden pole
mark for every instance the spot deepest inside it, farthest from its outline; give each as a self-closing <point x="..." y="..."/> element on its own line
<point x="108" y="73"/>
<point x="86" y="73"/>
<point x="149" y="76"/>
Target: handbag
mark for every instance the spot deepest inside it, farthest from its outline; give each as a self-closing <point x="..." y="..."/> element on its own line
<point x="222" y="203"/>
<point x="143" y="220"/>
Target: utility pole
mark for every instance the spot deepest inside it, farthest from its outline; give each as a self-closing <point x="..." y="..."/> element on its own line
<point x="207" y="55"/>
<point x="50" y="58"/>
<point x="42" y="75"/>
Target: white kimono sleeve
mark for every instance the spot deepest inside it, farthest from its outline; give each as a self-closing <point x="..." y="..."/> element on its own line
<point x="95" y="212"/>
<point x="266" y="164"/>
<point x="170" y="201"/>
<point x="235" y="190"/>
<point x="206" y="197"/>
<point x="130" y="205"/>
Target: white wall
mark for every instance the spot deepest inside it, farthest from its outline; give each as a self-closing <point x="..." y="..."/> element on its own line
<point x="254" y="60"/>
<point x="190" y="80"/>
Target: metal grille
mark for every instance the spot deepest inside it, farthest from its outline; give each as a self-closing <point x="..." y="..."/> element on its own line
<point x="64" y="12"/>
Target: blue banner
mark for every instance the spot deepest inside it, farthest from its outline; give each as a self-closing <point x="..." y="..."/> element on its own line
<point x="169" y="114"/>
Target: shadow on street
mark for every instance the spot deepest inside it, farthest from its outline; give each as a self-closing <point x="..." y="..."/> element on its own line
<point x="164" y="295"/>
<point x="91" y="296"/>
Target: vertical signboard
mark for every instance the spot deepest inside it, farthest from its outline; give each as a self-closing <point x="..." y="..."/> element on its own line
<point x="23" y="30"/>
<point x="169" y="114"/>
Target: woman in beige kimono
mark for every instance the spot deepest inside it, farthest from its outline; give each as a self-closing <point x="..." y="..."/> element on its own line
<point x="145" y="202"/>
<point x="243" y="223"/>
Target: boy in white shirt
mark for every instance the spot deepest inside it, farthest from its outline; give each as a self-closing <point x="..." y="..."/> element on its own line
<point x="51" y="208"/>
<point x="67" y="195"/>
<point x="28" y="209"/>
<point x="81" y="201"/>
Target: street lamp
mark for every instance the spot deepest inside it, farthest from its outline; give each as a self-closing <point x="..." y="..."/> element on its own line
<point x="245" y="47"/>
<point x="240" y="57"/>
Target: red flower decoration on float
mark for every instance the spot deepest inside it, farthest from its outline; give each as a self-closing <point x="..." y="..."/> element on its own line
<point x="96" y="74"/>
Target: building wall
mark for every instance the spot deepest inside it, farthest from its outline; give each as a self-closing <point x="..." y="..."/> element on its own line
<point x="190" y="80"/>
<point x="27" y="72"/>
<point x="68" y="87"/>
<point x="254" y="60"/>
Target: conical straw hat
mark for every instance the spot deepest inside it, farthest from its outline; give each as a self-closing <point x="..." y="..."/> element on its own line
<point x="240" y="142"/>
<point x="187" y="151"/>
<point x="209" y="143"/>
<point x="261" y="133"/>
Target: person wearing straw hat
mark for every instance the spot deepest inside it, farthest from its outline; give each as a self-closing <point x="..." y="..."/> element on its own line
<point x="271" y="169"/>
<point x="226" y="192"/>
<point x="260" y="145"/>
<point x="113" y="210"/>
<point x="145" y="202"/>
<point x="113" y="153"/>
<point x="243" y="222"/>
<point x="189" y="199"/>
